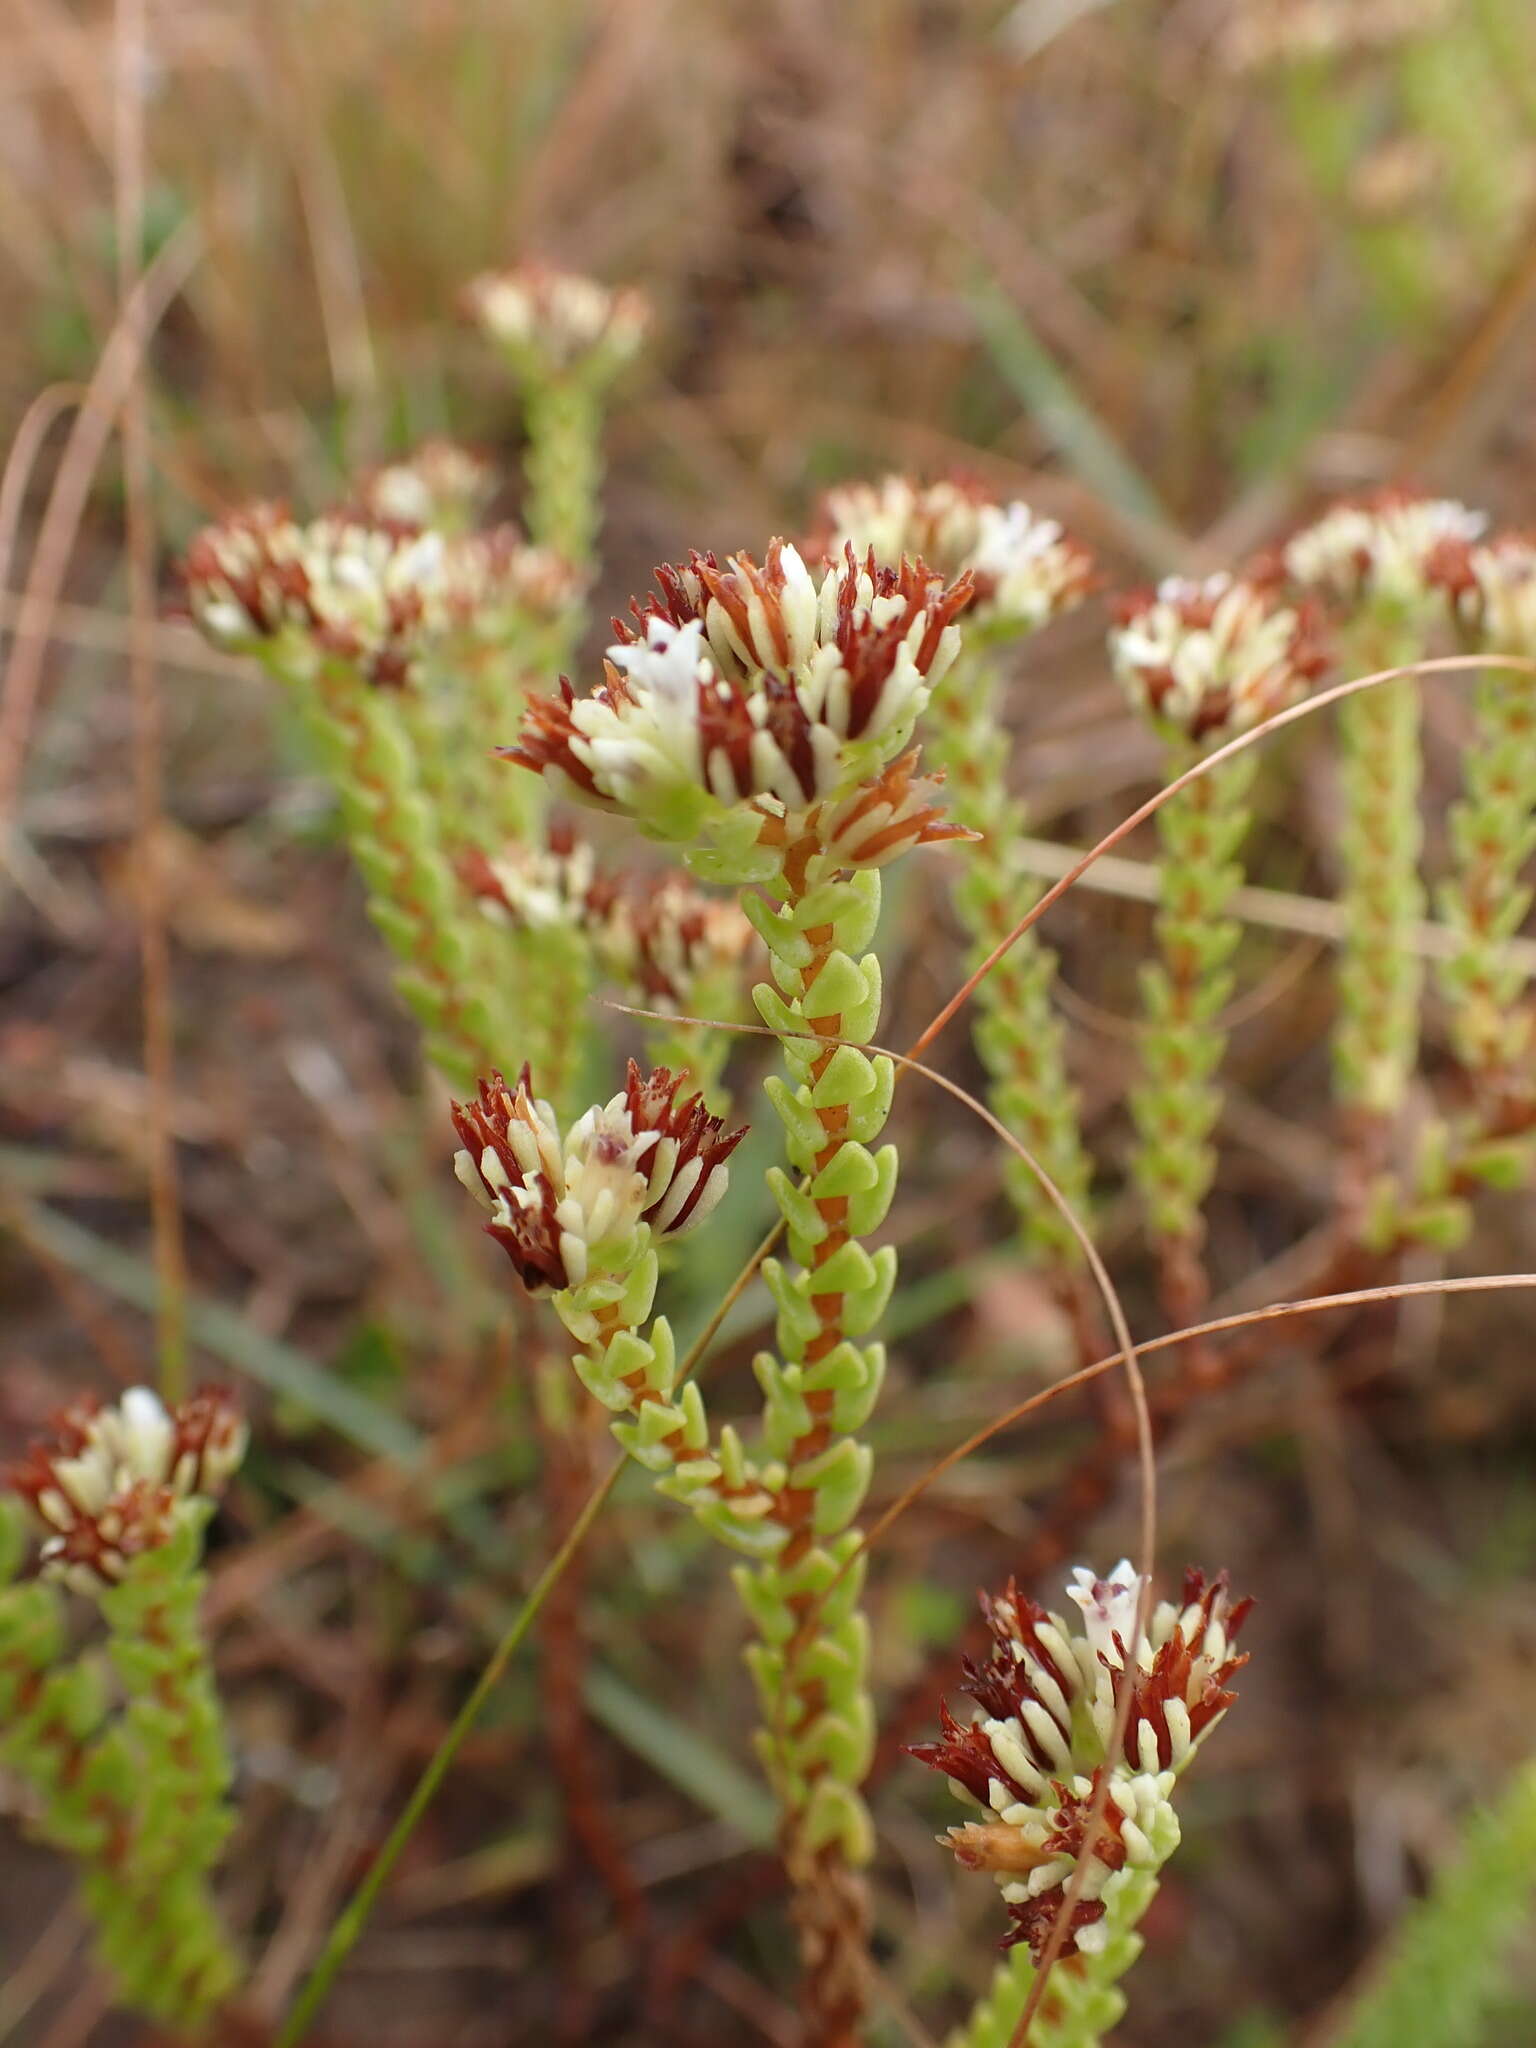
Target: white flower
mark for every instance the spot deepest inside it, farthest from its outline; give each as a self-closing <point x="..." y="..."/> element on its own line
<point x="111" y="1481"/>
<point x="1039" y="1757"/>
<point x="440" y="484"/>
<point x="374" y="594"/>
<point x="1109" y="1608"/>
<point x="1495" y="595"/>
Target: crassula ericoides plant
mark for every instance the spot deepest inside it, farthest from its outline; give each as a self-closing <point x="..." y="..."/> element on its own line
<point x="121" y="1750"/>
<point x="758" y="718"/>
<point x="1203" y="660"/>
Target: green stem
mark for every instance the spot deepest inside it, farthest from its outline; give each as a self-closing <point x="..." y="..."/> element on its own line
<point x="503" y="805"/>
<point x="810" y="1661"/>
<point x="172" y="1715"/>
<point x="1379" y="972"/>
<point x="1177" y="1104"/>
<point x="413" y="896"/>
<point x="1492" y="833"/>
<point x="563" y="465"/>
<point x="1018" y="1033"/>
<point x="131" y="1808"/>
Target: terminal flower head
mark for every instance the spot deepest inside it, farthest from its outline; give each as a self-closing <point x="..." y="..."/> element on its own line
<point x="341" y="587"/>
<point x="550" y="886"/>
<point x="1379" y="550"/>
<point x="671" y="942"/>
<point x="1024" y="568"/>
<point x="554" y="323"/>
<point x="1209" y="658"/>
<point x="578" y="1206"/>
<point x="109" y="1482"/>
<point x="374" y="594"/>
<point x="1040" y="1750"/>
<point x="748" y="697"/>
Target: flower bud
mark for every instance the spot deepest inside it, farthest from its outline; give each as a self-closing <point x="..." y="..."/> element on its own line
<point x="568" y="1209"/>
<point x="1380" y="549"/>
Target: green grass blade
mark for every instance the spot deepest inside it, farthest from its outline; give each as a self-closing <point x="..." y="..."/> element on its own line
<point x="1078" y="436"/>
<point x="1447" y="1967"/>
<point x="677" y="1753"/>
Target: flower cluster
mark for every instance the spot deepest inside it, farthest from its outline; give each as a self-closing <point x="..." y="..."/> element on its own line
<point x="1024" y="569"/>
<point x="658" y="935"/>
<point x="373" y="593"/>
<point x="1038" y="1756"/>
<point x="552" y="323"/>
<point x="1379" y="550"/>
<point x="1492" y="591"/>
<point x="109" y="1483"/>
<point x="754" y="687"/>
<point x="641" y="1166"/>
<point x="1209" y="658"/>
<point x="440" y="484"/>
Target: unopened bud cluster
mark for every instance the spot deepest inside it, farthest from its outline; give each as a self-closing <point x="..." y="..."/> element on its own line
<point x="659" y="936"/>
<point x="440" y="484"/>
<point x="1380" y="551"/>
<point x="1491" y="588"/>
<point x="567" y="1207"/>
<point x="377" y="595"/>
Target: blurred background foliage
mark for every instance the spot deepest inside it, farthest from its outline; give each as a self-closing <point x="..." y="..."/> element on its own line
<point x="1175" y="268"/>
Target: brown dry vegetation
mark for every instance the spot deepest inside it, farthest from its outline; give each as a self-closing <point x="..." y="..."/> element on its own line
<point x="1076" y="250"/>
